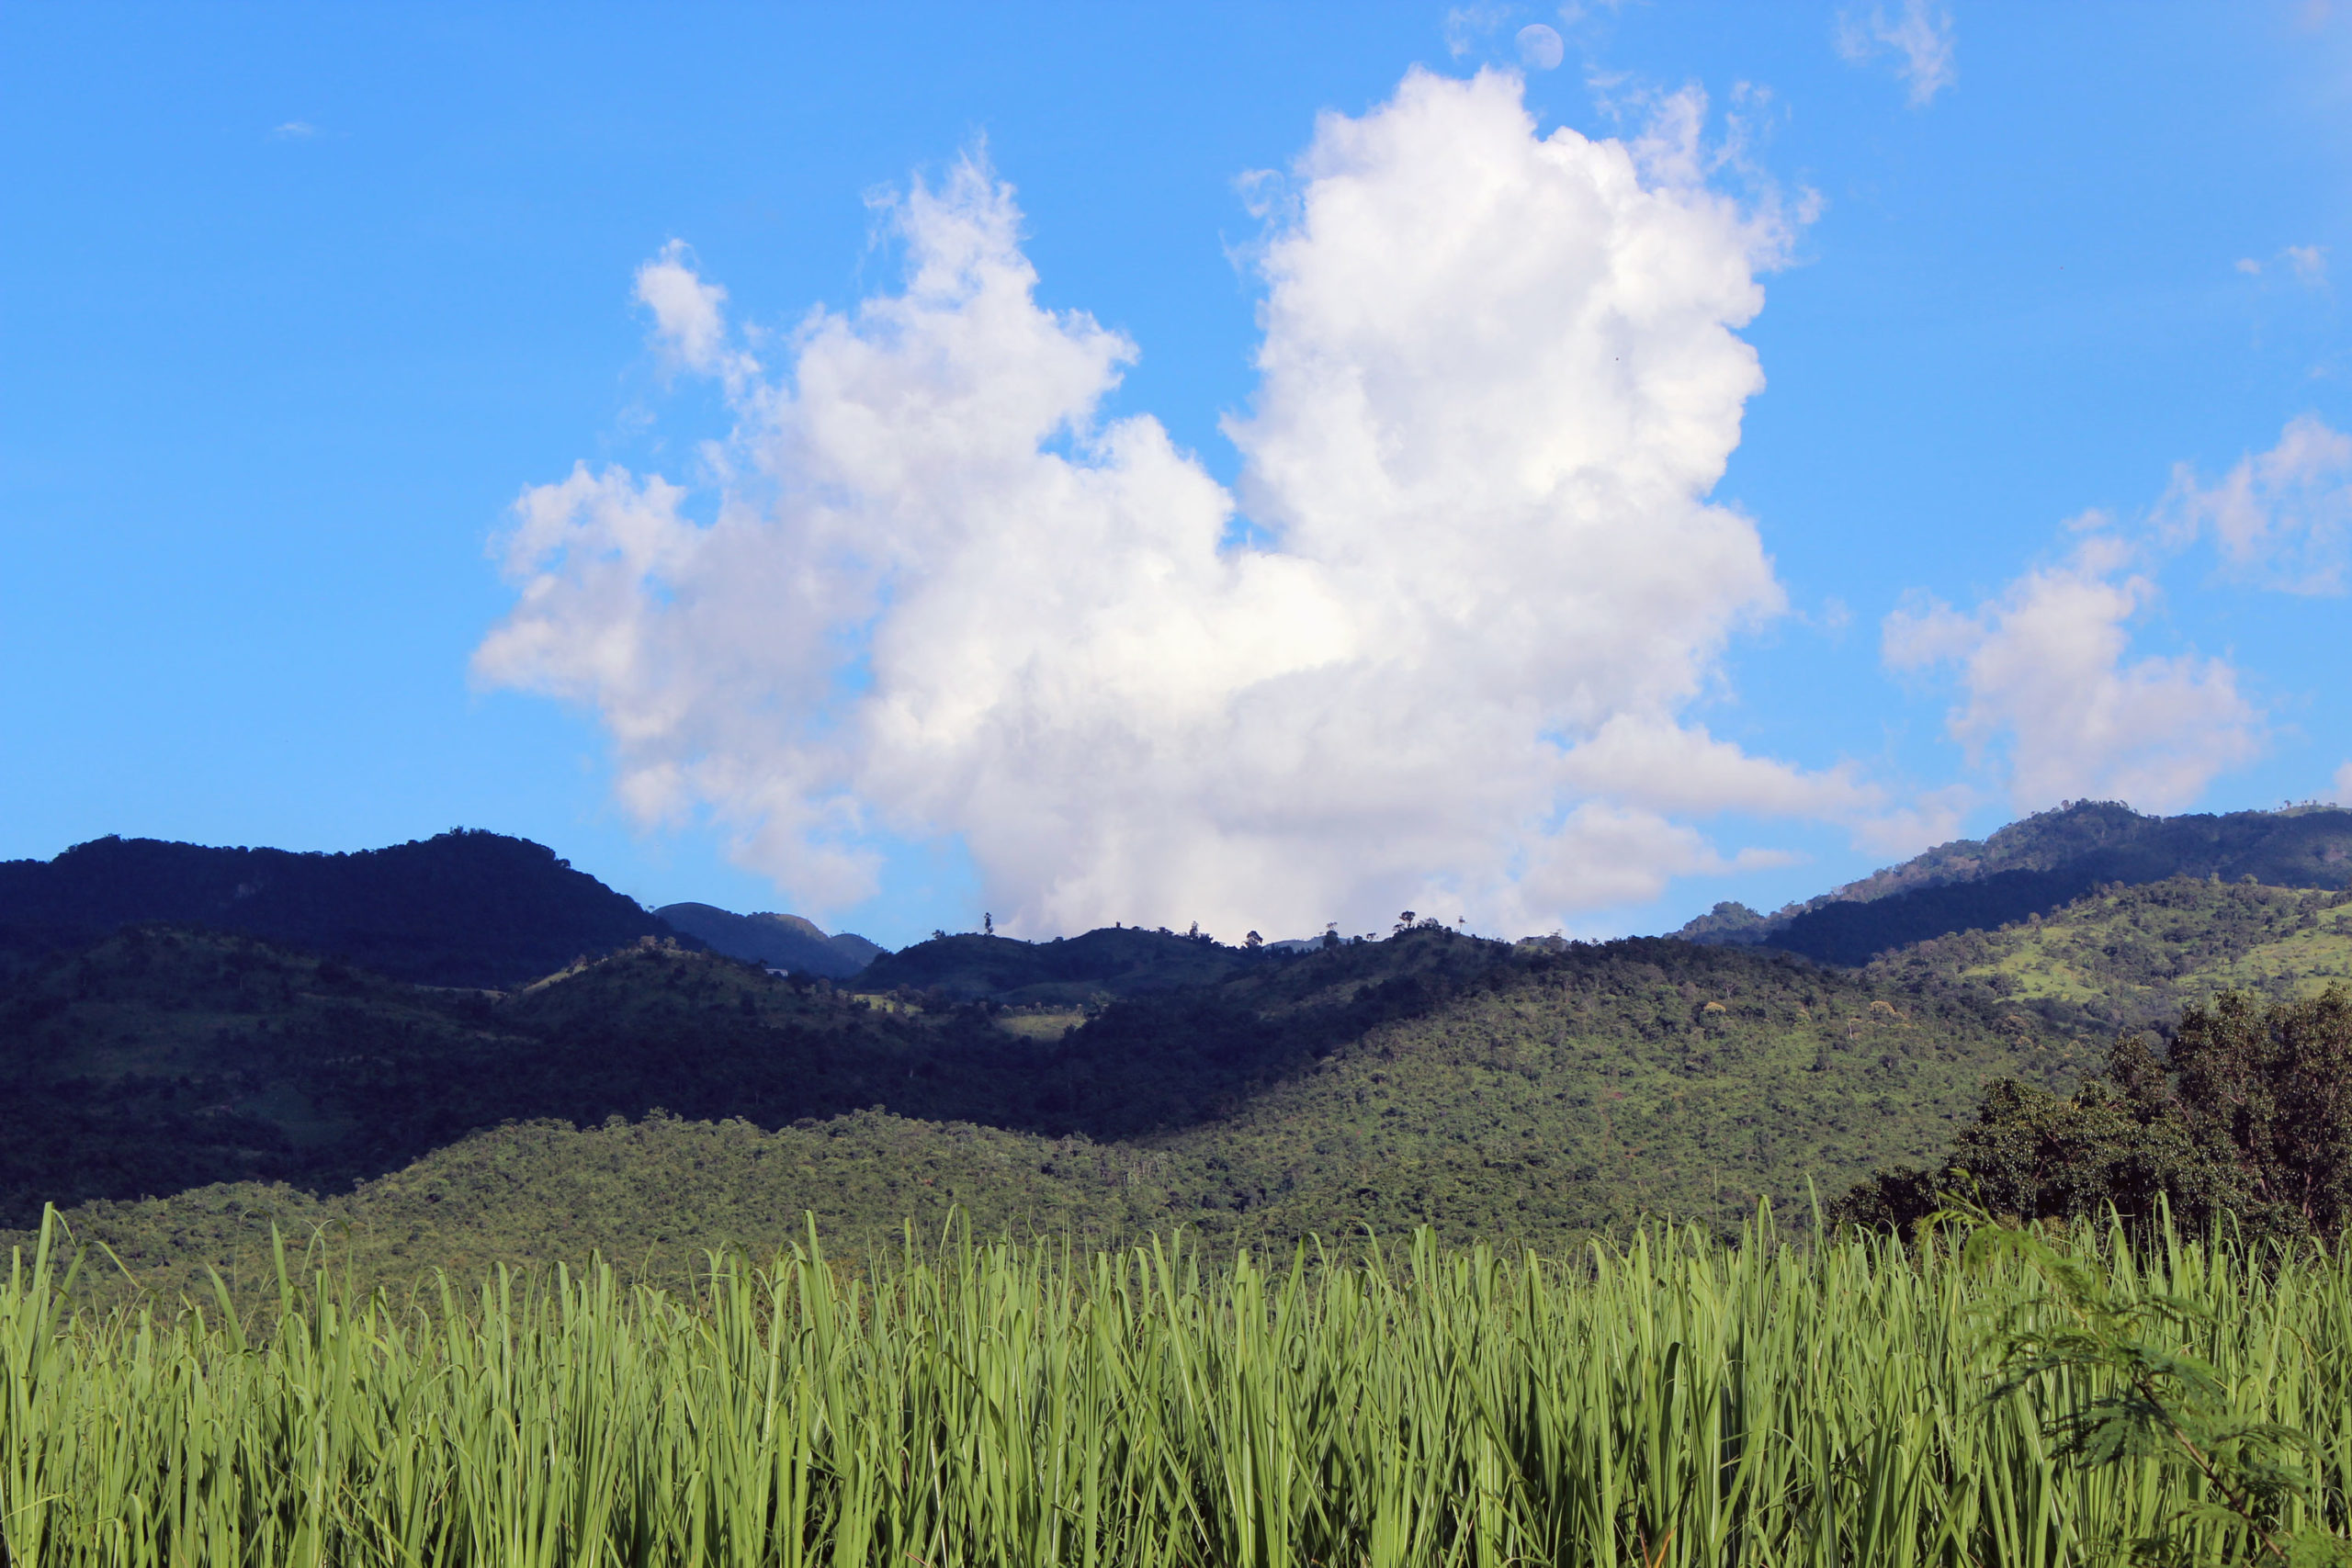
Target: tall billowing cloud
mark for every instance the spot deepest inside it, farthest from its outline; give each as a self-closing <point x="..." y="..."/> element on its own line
<point x="943" y="595"/>
<point x="2052" y="694"/>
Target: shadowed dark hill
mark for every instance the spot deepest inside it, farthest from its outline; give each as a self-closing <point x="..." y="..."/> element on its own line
<point x="160" y="1058"/>
<point x="780" y="942"/>
<point x="2037" y="866"/>
<point x="1852" y="933"/>
<point x="461" y="908"/>
<point x="1116" y="961"/>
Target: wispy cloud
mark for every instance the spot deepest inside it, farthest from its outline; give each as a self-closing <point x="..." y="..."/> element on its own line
<point x="2306" y="264"/>
<point x="2281" y="518"/>
<point x="2053" y="699"/>
<point x="1465" y="25"/>
<point x="294" y="131"/>
<point x="1919" y="36"/>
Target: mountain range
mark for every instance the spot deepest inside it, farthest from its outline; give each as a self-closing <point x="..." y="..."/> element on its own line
<point x="2039" y="864"/>
<point x="462" y="908"/>
<point x="182" y="1083"/>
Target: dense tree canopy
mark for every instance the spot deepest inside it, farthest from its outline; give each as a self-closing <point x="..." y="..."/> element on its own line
<point x="2247" y="1116"/>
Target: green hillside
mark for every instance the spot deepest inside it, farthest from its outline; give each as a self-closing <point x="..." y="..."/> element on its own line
<point x="653" y="1195"/>
<point x="1542" y="1093"/>
<point x="1571" y="1090"/>
<point x="2133" y="957"/>
<point x="155" y="1060"/>
<point x="159" y="1059"/>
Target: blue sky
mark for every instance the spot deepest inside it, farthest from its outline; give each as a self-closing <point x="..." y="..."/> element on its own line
<point x="299" y="301"/>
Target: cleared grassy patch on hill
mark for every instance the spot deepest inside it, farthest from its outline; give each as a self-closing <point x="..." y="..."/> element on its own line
<point x="2132" y="957"/>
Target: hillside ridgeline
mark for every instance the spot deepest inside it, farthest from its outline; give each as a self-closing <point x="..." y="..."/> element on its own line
<point x="2037" y="866"/>
<point x="1116" y="961"/>
<point x="2131" y="958"/>
<point x="461" y="908"/>
<point x="780" y="942"/>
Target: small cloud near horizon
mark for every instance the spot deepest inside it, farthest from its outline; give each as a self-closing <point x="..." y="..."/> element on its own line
<point x="294" y="131"/>
<point x="2053" y="704"/>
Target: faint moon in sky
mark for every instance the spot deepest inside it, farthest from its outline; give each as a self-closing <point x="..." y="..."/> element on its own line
<point x="1538" y="47"/>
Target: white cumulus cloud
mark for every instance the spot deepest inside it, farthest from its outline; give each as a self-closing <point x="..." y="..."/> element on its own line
<point x="1918" y="34"/>
<point x="2050" y="693"/>
<point x="943" y="595"/>
<point x="2281" y="517"/>
<point x="690" y="316"/>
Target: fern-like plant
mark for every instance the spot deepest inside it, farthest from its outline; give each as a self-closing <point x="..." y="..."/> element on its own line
<point x="2150" y="1397"/>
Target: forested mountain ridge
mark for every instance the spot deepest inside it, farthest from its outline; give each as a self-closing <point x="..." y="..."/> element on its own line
<point x="165" y="1058"/>
<point x="1543" y="1092"/>
<point x="2034" y="866"/>
<point x="460" y="909"/>
<point x="653" y="1097"/>
<point x="1572" y="1089"/>
<point x="161" y="1059"/>
<point x="1114" y="962"/>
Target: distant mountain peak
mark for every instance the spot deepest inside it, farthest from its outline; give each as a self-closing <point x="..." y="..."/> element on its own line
<point x="781" y="942"/>
<point x="2038" y="863"/>
<point x="466" y="908"/>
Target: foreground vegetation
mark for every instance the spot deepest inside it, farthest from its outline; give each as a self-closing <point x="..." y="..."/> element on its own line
<point x="2247" y="1117"/>
<point x="1671" y="1401"/>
